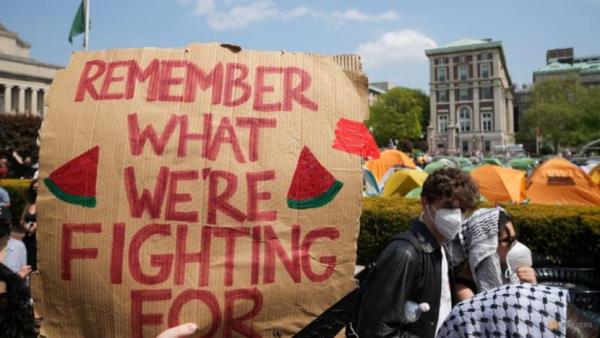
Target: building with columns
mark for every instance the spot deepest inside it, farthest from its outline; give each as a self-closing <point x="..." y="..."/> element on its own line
<point x="23" y="81"/>
<point x="471" y="98"/>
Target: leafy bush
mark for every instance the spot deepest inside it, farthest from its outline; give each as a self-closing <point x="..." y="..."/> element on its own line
<point x="563" y="236"/>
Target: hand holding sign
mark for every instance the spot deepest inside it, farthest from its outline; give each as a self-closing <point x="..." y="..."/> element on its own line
<point x="181" y="331"/>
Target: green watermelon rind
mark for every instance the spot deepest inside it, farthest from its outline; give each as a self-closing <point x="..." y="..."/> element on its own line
<point x="84" y="201"/>
<point x="317" y="201"/>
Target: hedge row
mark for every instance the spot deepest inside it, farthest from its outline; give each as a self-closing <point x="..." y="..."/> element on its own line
<point x="560" y="235"/>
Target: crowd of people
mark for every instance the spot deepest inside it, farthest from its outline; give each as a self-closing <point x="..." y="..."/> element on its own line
<point x="459" y="271"/>
<point x="14" y="165"/>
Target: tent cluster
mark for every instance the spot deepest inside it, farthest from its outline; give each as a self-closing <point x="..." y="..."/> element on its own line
<point x="521" y="180"/>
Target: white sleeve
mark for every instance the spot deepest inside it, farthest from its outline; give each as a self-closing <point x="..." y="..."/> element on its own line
<point x="16" y="255"/>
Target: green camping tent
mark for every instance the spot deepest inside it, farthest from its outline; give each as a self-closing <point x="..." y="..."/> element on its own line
<point x="439" y="164"/>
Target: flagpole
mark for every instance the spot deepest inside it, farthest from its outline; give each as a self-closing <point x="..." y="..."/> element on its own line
<point x="86" y="32"/>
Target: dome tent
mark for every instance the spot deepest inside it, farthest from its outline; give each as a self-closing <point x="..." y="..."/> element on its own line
<point x="558" y="182"/>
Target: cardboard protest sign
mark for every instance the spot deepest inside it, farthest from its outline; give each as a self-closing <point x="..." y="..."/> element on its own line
<point x="197" y="184"/>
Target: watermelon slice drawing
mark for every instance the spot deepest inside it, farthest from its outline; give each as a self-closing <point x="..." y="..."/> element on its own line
<point x="75" y="181"/>
<point x="312" y="186"/>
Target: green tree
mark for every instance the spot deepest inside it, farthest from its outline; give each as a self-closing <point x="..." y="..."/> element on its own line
<point x="562" y="110"/>
<point x="590" y="114"/>
<point x="399" y="114"/>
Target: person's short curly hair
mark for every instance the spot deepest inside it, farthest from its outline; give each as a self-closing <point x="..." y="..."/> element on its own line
<point x="453" y="187"/>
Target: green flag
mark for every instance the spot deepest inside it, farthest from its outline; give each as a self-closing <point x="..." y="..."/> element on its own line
<point x="78" y="25"/>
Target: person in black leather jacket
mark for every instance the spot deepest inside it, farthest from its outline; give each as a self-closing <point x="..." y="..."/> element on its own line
<point x="410" y="267"/>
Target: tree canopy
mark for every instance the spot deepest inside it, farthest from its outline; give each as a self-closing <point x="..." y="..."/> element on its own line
<point x="399" y="114"/>
<point x="565" y="112"/>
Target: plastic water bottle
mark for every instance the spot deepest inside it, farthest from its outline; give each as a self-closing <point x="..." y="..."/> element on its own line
<point x="413" y="311"/>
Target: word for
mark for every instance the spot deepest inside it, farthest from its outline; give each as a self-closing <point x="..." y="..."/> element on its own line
<point x="231" y="322"/>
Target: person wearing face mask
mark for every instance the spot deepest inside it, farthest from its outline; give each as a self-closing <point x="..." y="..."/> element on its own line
<point x="485" y="254"/>
<point x="515" y="257"/>
<point x="414" y="267"/>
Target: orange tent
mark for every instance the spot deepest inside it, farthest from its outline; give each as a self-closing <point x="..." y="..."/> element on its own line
<point x="595" y="174"/>
<point x="388" y="159"/>
<point x="500" y="184"/>
<point x="558" y="181"/>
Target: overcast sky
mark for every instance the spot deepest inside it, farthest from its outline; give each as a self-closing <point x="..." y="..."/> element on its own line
<point x="389" y="35"/>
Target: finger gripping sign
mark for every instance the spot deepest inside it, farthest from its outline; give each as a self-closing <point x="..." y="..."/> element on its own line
<point x="168" y="179"/>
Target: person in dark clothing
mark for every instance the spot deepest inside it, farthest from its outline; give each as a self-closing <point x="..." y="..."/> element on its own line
<point x="29" y="225"/>
<point x="16" y="310"/>
<point x="414" y="266"/>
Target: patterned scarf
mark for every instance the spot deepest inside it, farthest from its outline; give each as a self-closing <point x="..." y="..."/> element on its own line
<point x="477" y="241"/>
<point x="517" y="310"/>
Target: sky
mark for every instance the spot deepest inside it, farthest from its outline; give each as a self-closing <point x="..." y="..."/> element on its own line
<point x="390" y="36"/>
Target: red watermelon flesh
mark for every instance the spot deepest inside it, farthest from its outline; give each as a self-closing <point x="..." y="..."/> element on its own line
<point x="312" y="185"/>
<point x="75" y="181"/>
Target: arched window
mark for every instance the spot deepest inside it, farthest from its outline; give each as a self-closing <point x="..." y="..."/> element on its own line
<point x="465" y="119"/>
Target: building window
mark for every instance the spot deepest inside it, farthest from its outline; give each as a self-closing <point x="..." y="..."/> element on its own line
<point x="484" y="70"/>
<point x="488" y="146"/>
<point x="463" y="94"/>
<point x="465" y="147"/>
<point x="487" y="93"/>
<point x="462" y="73"/>
<point x="443" y="123"/>
<point x="486" y="119"/>
<point x="442" y="96"/>
<point x="485" y="56"/>
<point x="441" y="74"/>
<point x="465" y="119"/>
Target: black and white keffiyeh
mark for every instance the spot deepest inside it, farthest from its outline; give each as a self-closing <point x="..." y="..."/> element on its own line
<point x="477" y="241"/>
<point x="517" y="310"/>
<point x="482" y="224"/>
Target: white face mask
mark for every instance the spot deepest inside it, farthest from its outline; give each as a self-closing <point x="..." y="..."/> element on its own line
<point x="448" y="221"/>
<point x="517" y="256"/>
